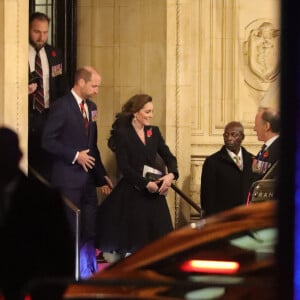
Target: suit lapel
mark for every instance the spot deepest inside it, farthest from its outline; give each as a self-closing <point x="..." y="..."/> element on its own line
<point x="89" y="114"/>
<point x="225" y="155"/>
<point x="50" y="59"/>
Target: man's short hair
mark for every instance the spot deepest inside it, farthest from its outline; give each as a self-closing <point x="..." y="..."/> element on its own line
<point x="84" y="73"/>
<point x="273" y="117"/>
<point x="237" y="124"/>
<point x="38" y="16"/>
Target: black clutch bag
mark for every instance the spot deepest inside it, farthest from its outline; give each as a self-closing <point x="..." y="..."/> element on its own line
<point x="152" y="176"/>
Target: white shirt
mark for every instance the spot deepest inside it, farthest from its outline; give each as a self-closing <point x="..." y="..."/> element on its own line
<point x="269" y="142"/>
<point x="45" y="67"/>
<point x="239" y="155"/>
<point x="79" y="100"/>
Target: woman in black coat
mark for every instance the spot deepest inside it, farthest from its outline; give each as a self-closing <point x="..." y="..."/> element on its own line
<point x="136" y="212"/>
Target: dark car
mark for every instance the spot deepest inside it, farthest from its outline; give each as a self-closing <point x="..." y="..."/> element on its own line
<point x="230" y="255"/>
<point x="266" y="188"/>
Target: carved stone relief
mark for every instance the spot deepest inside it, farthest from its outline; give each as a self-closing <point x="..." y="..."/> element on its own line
<point x="261" y="57"/>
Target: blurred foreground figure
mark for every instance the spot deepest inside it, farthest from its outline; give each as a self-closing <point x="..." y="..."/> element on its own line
<point x="36" y="241"/>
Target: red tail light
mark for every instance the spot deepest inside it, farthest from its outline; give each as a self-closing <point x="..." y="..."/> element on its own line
<point x="210" y="266"/>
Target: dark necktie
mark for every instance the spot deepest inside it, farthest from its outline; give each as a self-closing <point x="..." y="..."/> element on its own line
<point x="84" y="115"/>
<point x="39" y="102"/>
<point x="262" y="150"/>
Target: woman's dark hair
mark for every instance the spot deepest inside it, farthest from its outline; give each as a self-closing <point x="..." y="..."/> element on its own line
<point x="124" y="118"/>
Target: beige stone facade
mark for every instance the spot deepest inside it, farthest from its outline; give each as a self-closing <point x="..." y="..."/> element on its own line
<point x="14" y="68"/>
<point x="204" y="62"/>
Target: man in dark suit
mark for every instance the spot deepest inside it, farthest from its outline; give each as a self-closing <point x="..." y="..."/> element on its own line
<point x="227" y="174"/>
<point x="52" y="84"/>
<point x="36" y="240"/>
<point x="70" y="135"/>
<point x="267" y="127"/>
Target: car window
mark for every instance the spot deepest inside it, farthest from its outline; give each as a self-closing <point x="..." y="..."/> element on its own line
<point x="251" y="250"/>
<point x="262" y="240"/>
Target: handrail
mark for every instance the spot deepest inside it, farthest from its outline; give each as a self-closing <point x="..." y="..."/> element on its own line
<point x="154" y="177"/>
<point x="76" y="210"/>
<point x="188" y="200"/>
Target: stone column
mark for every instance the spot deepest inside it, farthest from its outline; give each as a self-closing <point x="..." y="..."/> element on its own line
<point x="14" y="69"/>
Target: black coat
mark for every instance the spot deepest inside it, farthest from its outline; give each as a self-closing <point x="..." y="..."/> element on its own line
<point x="132" y="154"/>
<point x="130" y="216"/>
<point x="267" y="159"/>
<point x="223" y="184"/>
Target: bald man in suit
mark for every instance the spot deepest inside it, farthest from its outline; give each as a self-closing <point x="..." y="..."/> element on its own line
<point x="267" y="127"/>
<point x="227" y="174"/>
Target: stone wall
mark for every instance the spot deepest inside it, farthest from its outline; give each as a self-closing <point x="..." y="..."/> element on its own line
<point x="205" y="63"/>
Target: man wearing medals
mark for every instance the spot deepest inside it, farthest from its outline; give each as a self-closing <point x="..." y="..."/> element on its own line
<point x="267" y="127"/>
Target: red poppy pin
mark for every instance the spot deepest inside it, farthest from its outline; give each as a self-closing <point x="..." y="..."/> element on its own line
<point x="149" y="132"/>
<point x="266" y="154"/>
<point x="53" y="53"/>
